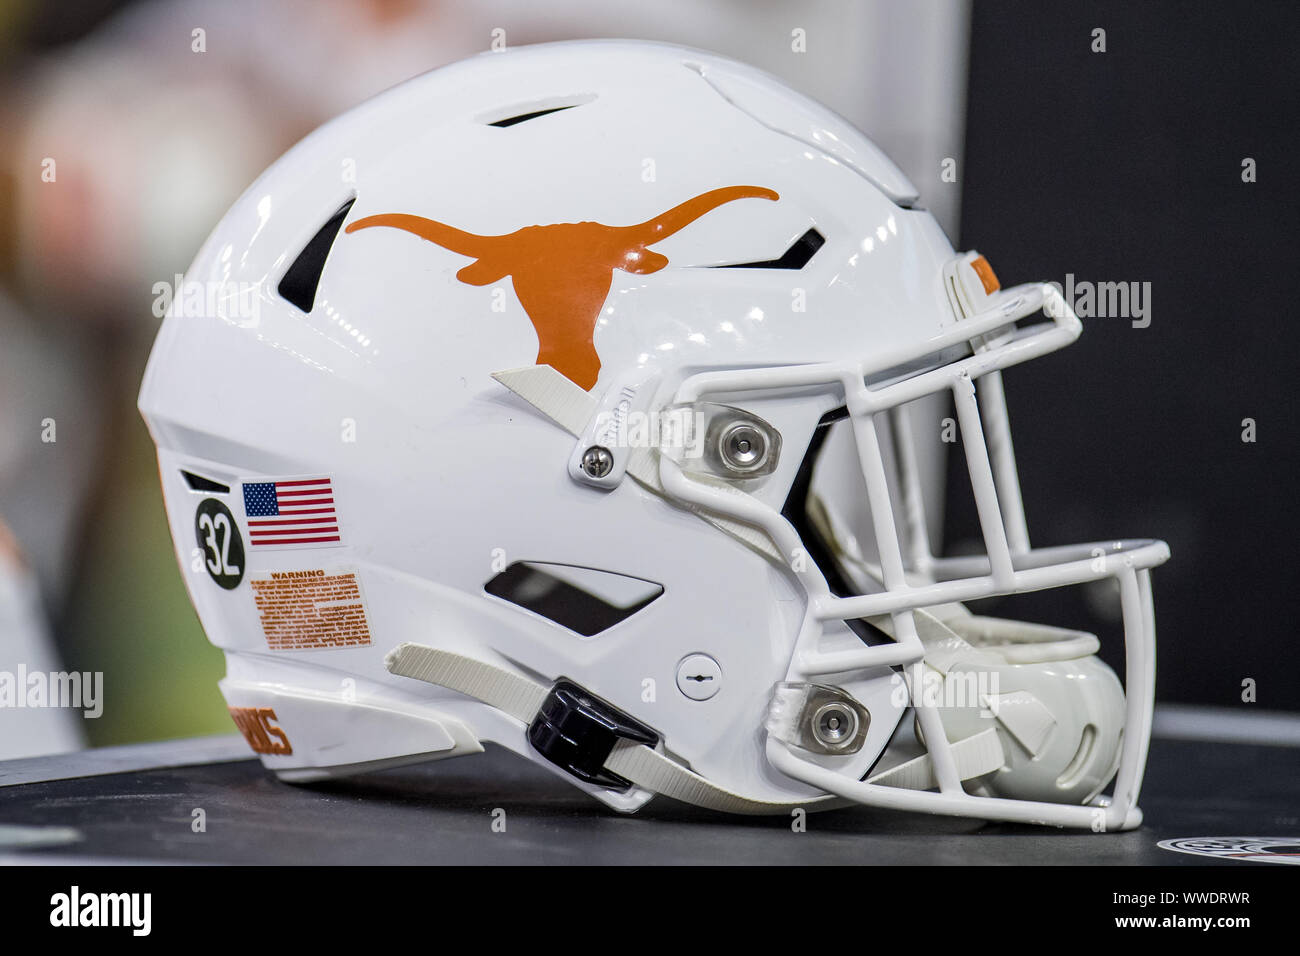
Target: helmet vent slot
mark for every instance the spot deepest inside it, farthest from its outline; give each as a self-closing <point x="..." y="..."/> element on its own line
<point x="301" y="279"/>
<point x="523" y="112"/>
<point x="199" y="483"/>
<point x="796" y="257"/>
<point x="798" y="510"/>
<point x="525" y="117"/>
<point x="584" y="600"/>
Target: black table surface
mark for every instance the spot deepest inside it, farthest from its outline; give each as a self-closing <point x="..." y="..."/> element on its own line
<point x="443" y="813"/>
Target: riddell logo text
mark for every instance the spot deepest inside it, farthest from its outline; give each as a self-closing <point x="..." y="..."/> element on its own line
<point x="76" y="909"/>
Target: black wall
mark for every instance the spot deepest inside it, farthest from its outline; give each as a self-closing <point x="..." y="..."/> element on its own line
<point x="1126" y="166"/>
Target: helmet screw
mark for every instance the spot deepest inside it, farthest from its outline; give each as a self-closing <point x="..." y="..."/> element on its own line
<point x="597" y="462"/>
<point x="743" y="447"/>
<point x="834" y="725"/>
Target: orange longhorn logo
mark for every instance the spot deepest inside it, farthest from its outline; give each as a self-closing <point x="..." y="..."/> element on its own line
<point x="562" y="272"/>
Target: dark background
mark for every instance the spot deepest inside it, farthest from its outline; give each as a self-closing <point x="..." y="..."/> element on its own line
<point x="1126" y="166"/>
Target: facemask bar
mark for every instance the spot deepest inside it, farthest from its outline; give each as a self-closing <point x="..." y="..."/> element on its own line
<point x="1009" y="566"/>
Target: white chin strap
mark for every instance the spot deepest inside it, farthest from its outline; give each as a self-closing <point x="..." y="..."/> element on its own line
<point x="651" y="768"/>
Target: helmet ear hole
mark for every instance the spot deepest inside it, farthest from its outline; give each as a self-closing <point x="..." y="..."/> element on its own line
<point x="584" y="600"/>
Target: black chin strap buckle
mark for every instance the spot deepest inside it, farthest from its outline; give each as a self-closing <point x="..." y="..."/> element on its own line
<point x="576" y="730"/>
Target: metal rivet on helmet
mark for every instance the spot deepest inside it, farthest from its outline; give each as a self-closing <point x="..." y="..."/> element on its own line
<point x="835" y="725"/>
<point x="597" y="462"/>
<point x="743" y="447"/>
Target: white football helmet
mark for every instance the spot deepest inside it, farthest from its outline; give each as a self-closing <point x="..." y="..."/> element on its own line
<point x="501" y="409"/>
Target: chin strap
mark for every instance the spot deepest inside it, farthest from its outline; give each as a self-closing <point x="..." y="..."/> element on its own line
<point x="643" y="765"/>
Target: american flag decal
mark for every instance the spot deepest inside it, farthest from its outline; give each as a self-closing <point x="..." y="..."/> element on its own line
<point x="294" y="513"/>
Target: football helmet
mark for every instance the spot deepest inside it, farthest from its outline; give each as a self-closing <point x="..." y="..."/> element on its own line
<point x="565" y="398"/>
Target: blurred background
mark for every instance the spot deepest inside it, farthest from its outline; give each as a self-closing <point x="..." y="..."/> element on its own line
<point x="127" y="127"/>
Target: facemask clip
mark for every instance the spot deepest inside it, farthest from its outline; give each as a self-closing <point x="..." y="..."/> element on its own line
<point x="817" y="718"/>
<point x="719" y="440"/>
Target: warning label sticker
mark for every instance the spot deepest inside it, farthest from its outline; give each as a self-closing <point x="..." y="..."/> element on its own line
<point x="311" y="610"/>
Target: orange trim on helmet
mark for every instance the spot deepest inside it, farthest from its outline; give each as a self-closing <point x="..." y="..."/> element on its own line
<point x="987" y="276"/>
